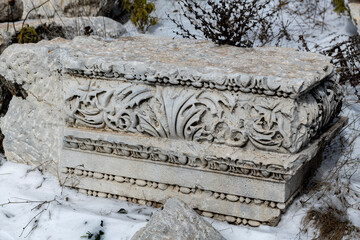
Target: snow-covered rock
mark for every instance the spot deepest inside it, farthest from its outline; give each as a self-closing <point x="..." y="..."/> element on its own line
<point x="10" y="10"/>
<point x="177" y="222"/>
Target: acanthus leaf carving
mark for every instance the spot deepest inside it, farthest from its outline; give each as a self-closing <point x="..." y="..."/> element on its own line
<point x="234" y="119"/>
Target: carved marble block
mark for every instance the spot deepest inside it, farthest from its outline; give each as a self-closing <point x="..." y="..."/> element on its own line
<point x="234" y="133"/>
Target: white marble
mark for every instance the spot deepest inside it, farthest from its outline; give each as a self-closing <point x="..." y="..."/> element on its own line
<point x="177" y="222"/>
<point x="232" y="132"/>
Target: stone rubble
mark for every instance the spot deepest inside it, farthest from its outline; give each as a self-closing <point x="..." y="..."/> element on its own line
<point x="177" y="221"/>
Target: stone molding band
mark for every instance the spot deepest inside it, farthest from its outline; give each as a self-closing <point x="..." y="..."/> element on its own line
<point x="255" y="85"/>
<point x="164" y="186"/>
<point x="238" y="167"/>
<point x="220" y="217"/>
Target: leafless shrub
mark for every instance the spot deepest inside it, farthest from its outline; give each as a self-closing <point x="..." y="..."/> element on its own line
<point x="306" y="14"/>
<point x="329" y="197"/>
<point x="239" y="23"/>
<point x="331" y="223"/>
<point x="346" y="57"/>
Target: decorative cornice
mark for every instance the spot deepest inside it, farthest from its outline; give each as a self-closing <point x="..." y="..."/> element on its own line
<point x="252" y="84"/>
<point x="234" y="166"/>
<point x="269" y="71"/>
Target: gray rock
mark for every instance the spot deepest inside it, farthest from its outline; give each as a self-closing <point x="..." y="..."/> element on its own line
<point x="177" y="222"/>
<point x="76" y="8"/>
<point x="11" y="10"/>
<point x="112" y="9"/>
<point x="65" y="27"/>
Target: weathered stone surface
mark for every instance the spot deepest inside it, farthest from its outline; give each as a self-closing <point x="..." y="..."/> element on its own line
<point x="10" y="12"/>
<point x="65" y="27"/>
<point x="153" y="118"/>
<point x="32" y="126"/>
<point x="354" y="7"/>
<point x="7" y="90"/>
<point x="240" y="98"/>
<point x="177" y="222"/>
<point x="76" y="8"/>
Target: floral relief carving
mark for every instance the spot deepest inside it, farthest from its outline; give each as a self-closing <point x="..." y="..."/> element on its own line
<point x="218" y="117"/>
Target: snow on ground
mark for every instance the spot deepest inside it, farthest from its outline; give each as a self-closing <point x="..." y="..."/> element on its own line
<point x="41" y="209"/>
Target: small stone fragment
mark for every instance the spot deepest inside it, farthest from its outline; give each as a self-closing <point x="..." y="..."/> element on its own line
<point x="177" y="221"/>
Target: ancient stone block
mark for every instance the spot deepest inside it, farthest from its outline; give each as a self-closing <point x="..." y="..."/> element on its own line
<point x="232" y="132"/>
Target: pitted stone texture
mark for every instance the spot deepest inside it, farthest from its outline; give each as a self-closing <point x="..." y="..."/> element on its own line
<point x="10" y="13"/>
<point x="268" y="71"/>
<point x="65" y="27"/>
<point x="32" y="126"/>
<point x="177" y="222"/>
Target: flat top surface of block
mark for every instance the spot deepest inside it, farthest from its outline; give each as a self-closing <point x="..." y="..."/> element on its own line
<point x="270" y="69"/>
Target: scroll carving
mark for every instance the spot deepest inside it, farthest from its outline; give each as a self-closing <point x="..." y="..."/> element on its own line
<point x="218" y="117"/>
